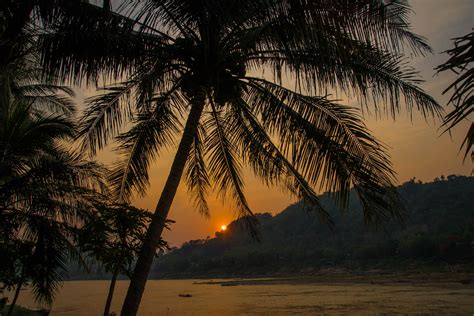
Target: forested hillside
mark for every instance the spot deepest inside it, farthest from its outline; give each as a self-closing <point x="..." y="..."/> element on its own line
<point x="438" y="231"/>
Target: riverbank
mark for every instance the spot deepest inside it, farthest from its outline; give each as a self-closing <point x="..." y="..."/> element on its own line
<point x="340" y="276"/>
<point x="19" y="311"/>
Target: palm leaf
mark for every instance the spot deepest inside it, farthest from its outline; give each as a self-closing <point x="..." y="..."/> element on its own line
<point x="225" y="168"/>
<point x="140" y="145"/>
<point x="196" y="175"/>
<point x="461" y="98"/>
<point x="328" y="143"/>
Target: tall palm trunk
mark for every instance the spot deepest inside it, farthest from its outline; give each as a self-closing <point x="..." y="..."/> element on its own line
<point x="17" y="292"/>
<point x="15" y="298"/>
<point x="116" y="272"/>
<point x="108" y="303"/>
<point x="147" y="253"/>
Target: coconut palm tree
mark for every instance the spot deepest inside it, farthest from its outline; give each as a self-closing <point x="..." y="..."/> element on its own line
<point x="213" y="74"/>
<point x="45" y="190"/>
<point x="45" y="193"/>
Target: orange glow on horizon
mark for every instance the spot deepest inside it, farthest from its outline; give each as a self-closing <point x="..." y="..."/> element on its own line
<point x="223" y="227"/>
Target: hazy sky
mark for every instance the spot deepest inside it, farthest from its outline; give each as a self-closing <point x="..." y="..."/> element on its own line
<point x="416" y="146"/>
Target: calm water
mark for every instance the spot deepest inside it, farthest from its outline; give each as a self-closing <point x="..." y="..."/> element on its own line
<point x="161" y="298"/>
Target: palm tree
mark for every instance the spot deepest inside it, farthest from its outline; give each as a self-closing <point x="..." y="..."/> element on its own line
<point x="114" y="236"/>
<point x="212" y="71"/>
<point x="45" y="190"/>
<point x="461" y="58"/>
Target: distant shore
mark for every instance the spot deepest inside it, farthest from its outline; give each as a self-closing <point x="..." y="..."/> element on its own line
<point x="396" y="271"/>
<point x="462" y="274"/>
<point x="340" y="277"/>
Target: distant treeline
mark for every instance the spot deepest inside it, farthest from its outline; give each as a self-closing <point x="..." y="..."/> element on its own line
<point x="439" y="229"/>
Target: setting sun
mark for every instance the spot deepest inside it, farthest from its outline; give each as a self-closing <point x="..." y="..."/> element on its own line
<point x="223" y="227"/>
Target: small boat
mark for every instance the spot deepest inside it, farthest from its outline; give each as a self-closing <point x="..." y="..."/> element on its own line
<point x="185" y="295"/>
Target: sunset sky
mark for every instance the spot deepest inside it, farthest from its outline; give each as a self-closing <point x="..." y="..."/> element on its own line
<point x="416" y="145"/>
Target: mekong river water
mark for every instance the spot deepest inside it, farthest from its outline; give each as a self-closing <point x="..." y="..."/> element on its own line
<point x="162" y="298"/>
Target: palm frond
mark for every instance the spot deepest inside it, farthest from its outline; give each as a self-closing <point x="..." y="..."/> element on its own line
<point x="363" y="71"/>
<point x="267" y="160"/>
<point x="109" y="46"/>
<point x="196" y="175"/>
<point x="329" y="144"/>
<point x="47" y="97"/>
<point x="105" y="115"/>
<point x="469" y="142"/>
<point x="462" y="97"/>
<point x="384" y="24"/>
<point x="177" y="18"/>
<point x="225" y="169"/>
<point x="48" y="262"/>
<point x="140" y="145"/>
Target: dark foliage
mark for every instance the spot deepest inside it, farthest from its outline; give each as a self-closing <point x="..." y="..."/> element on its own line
<point x="462" y="98"/>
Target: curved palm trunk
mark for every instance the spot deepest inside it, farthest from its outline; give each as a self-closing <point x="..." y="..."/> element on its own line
<point x="116" y="272"/>
<point x="15" y="298"/>
<point x="111" y="289"/>
<point x="17" y="293"/>
<point x="147" y="253"/>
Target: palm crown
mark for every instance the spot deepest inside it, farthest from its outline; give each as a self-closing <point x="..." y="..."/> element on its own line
<point x="209" y="52"/>
<point x="218" y="66"/>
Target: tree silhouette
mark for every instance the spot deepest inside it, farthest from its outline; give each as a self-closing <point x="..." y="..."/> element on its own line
<point x="113" y="236"/>
<point x="199" y="69"/>
<point x="44" y="189"/>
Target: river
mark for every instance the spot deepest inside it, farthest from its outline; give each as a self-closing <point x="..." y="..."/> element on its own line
<point x="281" y="298"/>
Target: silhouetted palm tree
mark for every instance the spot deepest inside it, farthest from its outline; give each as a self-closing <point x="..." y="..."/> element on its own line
<point x="44" y="189"/>
<point x="213" y="72"/>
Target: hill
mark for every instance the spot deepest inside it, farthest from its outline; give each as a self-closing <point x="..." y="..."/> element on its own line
<point x="438" y="233"/>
